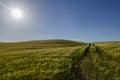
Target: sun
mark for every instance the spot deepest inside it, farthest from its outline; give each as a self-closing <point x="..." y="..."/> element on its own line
<point x="17" y="13"/>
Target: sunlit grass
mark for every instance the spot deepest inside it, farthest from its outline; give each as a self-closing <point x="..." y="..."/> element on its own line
<point x="59" y="60"/>
<point x="43" y="63"/>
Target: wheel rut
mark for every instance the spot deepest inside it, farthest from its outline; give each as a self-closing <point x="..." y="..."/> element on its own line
<point x="105" y="57"/>
<point x="77" y="67"/>
<point x="79" y="71"/>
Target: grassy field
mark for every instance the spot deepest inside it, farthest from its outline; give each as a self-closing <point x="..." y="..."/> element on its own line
<point x="59" y="60"/>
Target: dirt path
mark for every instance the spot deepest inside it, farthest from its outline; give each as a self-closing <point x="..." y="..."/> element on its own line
<point x="77" y="68"/>
<point x="80" y="72"/>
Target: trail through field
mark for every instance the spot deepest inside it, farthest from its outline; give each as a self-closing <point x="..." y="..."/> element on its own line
<point x="86" y="70"/>
<point x="94" y="60"/>
<point x="78" y="68"/>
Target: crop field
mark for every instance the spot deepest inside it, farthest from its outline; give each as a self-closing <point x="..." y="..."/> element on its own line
<point x="59" y="60"/>
<point x="99" y="65"/>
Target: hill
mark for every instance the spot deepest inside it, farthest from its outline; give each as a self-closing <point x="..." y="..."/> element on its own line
<point x="39" y="44"/>
<point x="38" y="60"/>
<point x="59" y="60"/>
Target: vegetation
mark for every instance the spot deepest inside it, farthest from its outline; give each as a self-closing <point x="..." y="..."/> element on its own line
<point x="38" y="60"/>
<point x="59" y="60"/>
<point x="97" y="66"/>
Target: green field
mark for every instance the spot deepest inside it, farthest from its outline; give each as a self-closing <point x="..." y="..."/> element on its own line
<point x="59" y="60"/>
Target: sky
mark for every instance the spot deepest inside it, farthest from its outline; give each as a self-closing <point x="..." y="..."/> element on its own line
<point x="81" y="20"/>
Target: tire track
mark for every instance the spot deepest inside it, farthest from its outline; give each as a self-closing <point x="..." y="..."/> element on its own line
<point x="77" y="68"/>
<point x="79" y="71"/>
<point x="104" y="57"/>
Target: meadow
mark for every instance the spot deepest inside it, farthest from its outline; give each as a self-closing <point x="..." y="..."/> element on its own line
<point x="59" y="60"/>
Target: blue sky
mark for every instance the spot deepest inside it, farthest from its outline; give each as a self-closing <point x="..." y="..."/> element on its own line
<point x="83" y="20"/>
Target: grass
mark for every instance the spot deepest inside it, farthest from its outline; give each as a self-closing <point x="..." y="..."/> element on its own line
<point x="99" y="67"/>
<point x="111" y="50"/>
<point x="51" y="60"/>
<point x="59" y="60"/>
